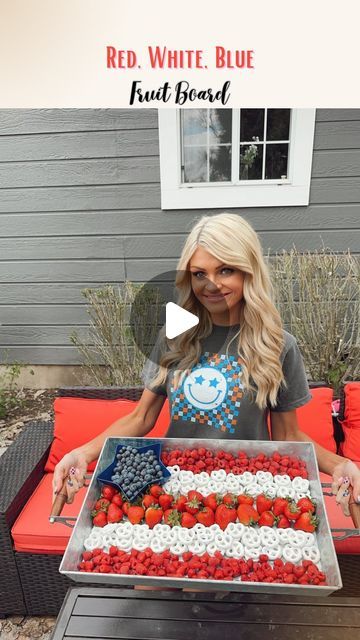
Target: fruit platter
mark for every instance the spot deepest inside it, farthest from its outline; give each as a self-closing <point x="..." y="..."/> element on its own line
<point x="205" y="514"/>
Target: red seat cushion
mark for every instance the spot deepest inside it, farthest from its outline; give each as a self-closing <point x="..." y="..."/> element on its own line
<point x="78" y="420"/>
<point x="351" y="423"/>
<point x="315" y="418"/>
<point x="32" y="532"/>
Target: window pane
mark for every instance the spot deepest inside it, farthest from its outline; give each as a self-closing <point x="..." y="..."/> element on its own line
<point x="220" y="125"/>
<point x="251" y="124"/>
<point x="220" y="164"/>
<point x="194" y="126"/>
<point x="251" y="156"/>
<point x="195" y="164"/>
<point x="278" y="124"/>
<point x="276" y="161"/>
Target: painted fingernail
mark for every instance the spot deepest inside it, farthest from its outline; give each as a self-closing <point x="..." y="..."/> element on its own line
<point x="358" y="499"/>
<point x="72" y="471"/>
<point x="70" y="482"/>
<point x="346" y="493"/>
<point x="56" y="492"/>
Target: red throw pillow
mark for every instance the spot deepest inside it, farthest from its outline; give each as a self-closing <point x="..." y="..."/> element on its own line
<point x="315" y="418"/>
<point x="78" y="420"/>
<point x="351" y="423"/>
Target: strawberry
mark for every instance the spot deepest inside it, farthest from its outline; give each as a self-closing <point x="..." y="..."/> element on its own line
<point x="117" y="499"/>
<point x="99" y="519"/>
<point x="224" y="515"/>
<point x="135" y="514"/>
<point x="125" y="507"/>
<point x="165" y="501"/>
<point x="244" y="498"/>
<point x="230" y="499"/>
<point x="306" y="504"/>
<point x="192" y="506"/>
<point x="267" y="519"/>
<point x="114" y="514"/>
<point x="279" y="506"/>
<point x="180" y="503"/>
<point x="263" y="503"/>
<point x="156" y="490"/>
<point x="172" y="517"/>
<point x="206" y="516"/>
<point x="213" y="500"/>
<point x="195" y="495"/>
<point x="247" y="514"/>
<point x="291" y="511"/>
<point x="306" y="522"/>
<point x="153" y="515"/>
<point x="187" y="520"/>
<point x="101" y="505"/>
<point x="149" y="500"/>
<point x="108" y="492"/>
<point x="282" y="522"/>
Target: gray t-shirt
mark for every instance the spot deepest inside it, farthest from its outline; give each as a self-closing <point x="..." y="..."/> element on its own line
<point x="210" y="401"/>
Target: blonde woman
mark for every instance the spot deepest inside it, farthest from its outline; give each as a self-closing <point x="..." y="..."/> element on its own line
<point x="223" y="376"/>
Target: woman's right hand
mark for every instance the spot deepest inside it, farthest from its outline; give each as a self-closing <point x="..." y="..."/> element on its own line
<point x="72" y="466"/>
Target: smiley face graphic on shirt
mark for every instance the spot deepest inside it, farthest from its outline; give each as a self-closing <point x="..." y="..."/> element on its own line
<point x="210" y="393"/>
<point x="205" y="388"/>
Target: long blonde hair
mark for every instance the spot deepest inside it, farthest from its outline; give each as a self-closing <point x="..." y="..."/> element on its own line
<point x="231" y="239"/>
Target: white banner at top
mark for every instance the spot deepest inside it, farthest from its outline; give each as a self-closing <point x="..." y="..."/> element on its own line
<point x="87" y="53"/>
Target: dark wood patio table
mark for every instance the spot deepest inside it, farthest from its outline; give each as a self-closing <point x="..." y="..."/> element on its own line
<point x="112" y="613"/>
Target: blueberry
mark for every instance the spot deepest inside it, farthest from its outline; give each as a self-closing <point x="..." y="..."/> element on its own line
<point x="157" y="467"/>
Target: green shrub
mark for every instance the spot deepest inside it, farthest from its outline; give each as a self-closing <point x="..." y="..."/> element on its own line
<point x="110" y="355"/>
<point x="9" y="391"/>
<point x="318" y="297"/>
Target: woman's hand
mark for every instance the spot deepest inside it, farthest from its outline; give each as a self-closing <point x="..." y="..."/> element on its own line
<point x="346" y="484"/>
<point x="73" y="466"/>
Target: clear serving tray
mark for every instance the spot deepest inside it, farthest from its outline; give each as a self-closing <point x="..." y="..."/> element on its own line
<point x="304" y="450"/>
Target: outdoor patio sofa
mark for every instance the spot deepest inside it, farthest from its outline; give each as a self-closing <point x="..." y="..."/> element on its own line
<point x="30" y="582"/>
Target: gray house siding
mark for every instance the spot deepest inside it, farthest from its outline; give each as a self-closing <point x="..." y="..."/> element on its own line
<point x="80" y="206"/>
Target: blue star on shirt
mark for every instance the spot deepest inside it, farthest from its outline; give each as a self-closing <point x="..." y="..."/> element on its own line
<point x="199" y="379"/>
<point x="214" y="382"/>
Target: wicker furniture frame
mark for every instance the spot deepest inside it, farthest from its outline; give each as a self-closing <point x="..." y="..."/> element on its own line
<point x="30" y="584"/>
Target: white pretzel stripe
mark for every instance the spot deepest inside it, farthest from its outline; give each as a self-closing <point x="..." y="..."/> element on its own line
<point x="285" y="491"/>
<point x="235" y="551"/>
<point x="197" y="547"/>
<point x="282" y="480"/>
<point x="263" y="477"/>
<point x="291" y="554"/>
<point x="300" y="484"/>
<point x="311" y="553"/>
<point x="270" y="489"/>
<point x="268" y="536"/>
<point x="297" y="538"/>
<point x="252" y="552"/>
<point x="250" y="538"/>
<point x="139" y="544"/>
<point x="273" y="552"/>
<point x="235" y="529"/>
<point x="246" y="478"/>
<point x="254" y="489"/>
<point x="92" y="542"/>
<point x="178" y="548"/>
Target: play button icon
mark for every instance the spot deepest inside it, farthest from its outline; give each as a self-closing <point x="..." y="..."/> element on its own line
<point x="178" y="320"/>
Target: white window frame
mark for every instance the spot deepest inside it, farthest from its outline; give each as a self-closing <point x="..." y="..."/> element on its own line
<point x="292" y="191"/>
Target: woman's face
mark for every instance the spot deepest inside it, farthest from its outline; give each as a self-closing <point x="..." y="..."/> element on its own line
<point x="219" y="287"/>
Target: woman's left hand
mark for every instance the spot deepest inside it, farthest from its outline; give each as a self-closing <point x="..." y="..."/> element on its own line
<point x="346" y="484"/>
